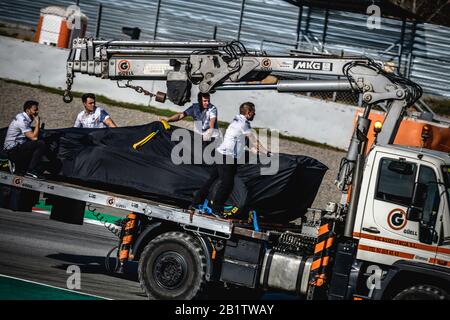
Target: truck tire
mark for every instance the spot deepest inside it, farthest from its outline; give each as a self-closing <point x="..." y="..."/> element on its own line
<point x="422" y="292"/>
<point x="173" y="267"/>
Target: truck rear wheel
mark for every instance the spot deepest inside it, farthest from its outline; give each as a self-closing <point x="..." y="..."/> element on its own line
<point x="422" y="292"/>
<point x="172" y="267"/>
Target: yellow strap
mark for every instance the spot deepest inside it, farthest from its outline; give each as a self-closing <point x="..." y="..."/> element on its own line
<point x="165" y="124"/>
<point x="139" y="144"/>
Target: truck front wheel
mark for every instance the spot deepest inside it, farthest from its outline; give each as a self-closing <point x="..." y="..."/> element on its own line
<point x="172" y="267"/>
<point x="422" y="292"/>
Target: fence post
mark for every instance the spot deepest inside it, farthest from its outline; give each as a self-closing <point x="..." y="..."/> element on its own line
<point x="335" y="93"/>
<point x="99" y="19"/>
<point x="410" y="49"/>
<point x="158" y="6"/>
<point x="402" y="40"/>
<point x="215" y="32"/>
<point x="299" y="26"/>
<point x="325" y="29"/>
<point x="240" y="19"/>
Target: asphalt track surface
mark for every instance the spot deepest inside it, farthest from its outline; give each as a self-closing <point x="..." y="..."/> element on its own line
<point x="34" y="248"/>
<point x="40" y="251"/>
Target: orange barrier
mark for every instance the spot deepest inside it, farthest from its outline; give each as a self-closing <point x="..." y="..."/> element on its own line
<point x="54" y="27"/>
<point x="64" y="35"/>
<point x="414" y="133"/>
<point x="38" y="29"/>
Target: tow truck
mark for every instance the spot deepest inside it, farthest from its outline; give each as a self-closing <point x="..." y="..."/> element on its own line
<point x="388" y="237"/>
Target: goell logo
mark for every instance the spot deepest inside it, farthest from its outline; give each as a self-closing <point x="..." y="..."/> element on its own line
<point x="397" y="219"/>
<point x="110" y="201"/>
<point x="17" y="181"/>
<point x="124" y="65"/>
<point x="313" y="65"/>
<point x="266" y="63"/>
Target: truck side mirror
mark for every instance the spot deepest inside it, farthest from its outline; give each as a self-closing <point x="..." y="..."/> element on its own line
<point x="415" y="212"/>
<point x="427" y="234"/>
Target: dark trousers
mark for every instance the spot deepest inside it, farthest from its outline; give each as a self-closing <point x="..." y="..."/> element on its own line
<point x="201" y="194"/>
<point x="27" y="155"/>
<point x="225" y="185"/>
<point x="225" y="173"/>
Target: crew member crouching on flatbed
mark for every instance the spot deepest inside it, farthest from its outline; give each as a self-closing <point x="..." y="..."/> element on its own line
<point x="22" y="143"/>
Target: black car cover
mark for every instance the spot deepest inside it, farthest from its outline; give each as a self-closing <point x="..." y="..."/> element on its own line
<point x="105" y="159"/>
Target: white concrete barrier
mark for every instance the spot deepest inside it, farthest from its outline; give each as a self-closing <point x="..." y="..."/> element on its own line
<point x="299" y="116"/>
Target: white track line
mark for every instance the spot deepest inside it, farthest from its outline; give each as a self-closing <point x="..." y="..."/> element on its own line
<point x="47" y="285"/>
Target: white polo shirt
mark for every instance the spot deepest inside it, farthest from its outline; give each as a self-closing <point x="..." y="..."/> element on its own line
<point x="234" y="140"/>
<point x="202" y="118"/>
<point x="16" y="131"/>
<point x="95" y="119"/>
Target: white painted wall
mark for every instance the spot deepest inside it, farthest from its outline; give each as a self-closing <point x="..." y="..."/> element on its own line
<point x="309" y="118"/>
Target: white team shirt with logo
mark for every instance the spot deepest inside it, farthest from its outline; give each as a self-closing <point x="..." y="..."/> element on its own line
<point x="16" y="131"/>
<point x="94" y="119"/>
<point x="234" y="140"/>
<point x="202" y="118"/>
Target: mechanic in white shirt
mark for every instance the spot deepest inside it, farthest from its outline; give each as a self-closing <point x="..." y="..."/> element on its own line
<point x="231" y="149"/>
<point x="22" y="143"/>
<point x="204" y="114"/>
<point x="93" y="116"/>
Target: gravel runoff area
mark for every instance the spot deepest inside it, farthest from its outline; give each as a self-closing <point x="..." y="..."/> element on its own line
<point x="57" y="114"/>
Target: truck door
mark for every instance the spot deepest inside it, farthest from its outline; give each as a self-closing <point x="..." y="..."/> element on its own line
<point x="443" y="224"/>
<point x="386" y="234"/>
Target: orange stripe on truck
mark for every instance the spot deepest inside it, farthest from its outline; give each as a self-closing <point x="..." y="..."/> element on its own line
<point x="319" y="247"/>
<point x="439" y="262"/>
<point x="386" y="252"/>
<point x="324" y="229"/>
<point x="316" y="264"/>
<point x="402" y="243"/>
<point x="330" y="242"/>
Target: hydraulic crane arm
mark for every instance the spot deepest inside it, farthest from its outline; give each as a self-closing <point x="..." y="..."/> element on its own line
<point x="208" y="64"/>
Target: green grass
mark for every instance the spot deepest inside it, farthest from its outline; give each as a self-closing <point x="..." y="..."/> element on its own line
<point x="156" y="111"/>
<point x="99" y="98"/>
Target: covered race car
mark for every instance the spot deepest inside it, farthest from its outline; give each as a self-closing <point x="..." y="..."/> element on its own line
<point x="105" y="159"/>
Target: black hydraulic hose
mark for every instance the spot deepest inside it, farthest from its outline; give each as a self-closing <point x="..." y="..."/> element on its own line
<point x="107" y="266"/>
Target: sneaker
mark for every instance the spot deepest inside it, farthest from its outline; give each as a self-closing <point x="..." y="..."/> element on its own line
<point x="230" y="211"/>
<point x="33" y="176"/>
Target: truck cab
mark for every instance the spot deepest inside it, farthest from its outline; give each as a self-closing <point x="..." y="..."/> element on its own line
<point x="403" y="218"/>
